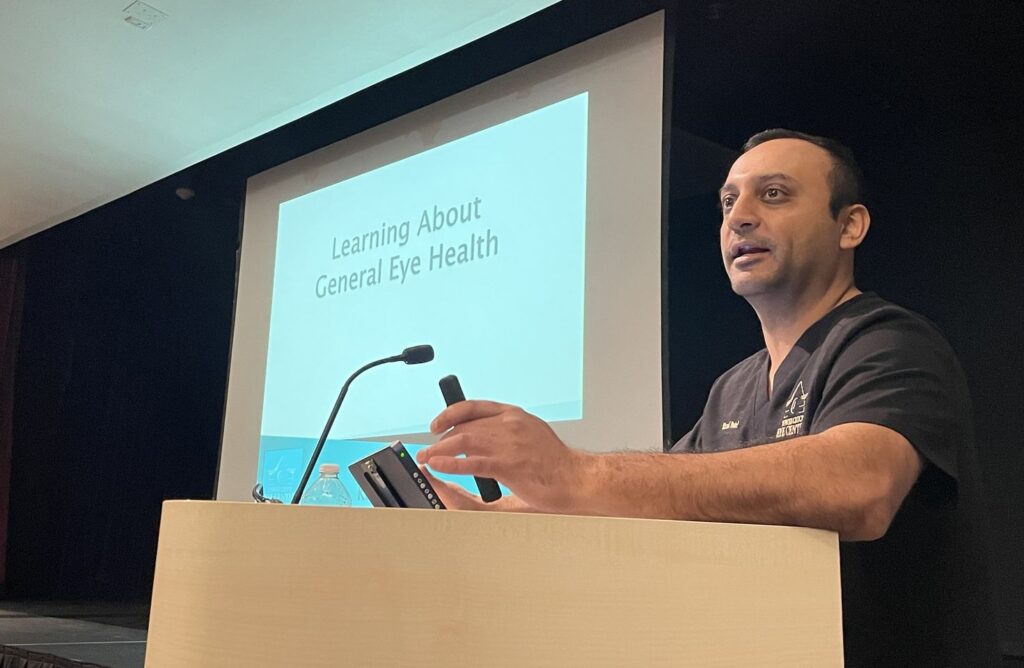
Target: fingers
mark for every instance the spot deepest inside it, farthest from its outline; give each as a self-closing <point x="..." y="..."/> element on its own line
<point x="464" y="411"/>
<point x="455" y="497"/>
<point x="478" y="466"/>
<point x="479" y="427"/>
<point x="452" y="496"/>
<point x="471" y="445"/>
<point x="450" y="447"/>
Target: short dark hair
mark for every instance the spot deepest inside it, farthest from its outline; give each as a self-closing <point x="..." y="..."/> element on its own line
<point x="846" y="179"/>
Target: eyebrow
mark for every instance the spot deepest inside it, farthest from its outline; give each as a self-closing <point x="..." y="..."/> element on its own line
<point x="776" y="176"/>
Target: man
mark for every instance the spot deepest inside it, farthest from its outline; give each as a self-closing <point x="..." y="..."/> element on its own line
<point x="858" y="408"/>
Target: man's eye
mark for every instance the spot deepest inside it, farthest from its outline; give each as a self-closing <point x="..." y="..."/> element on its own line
<point x="772" y="193"/>
<point x="728" y="201"/>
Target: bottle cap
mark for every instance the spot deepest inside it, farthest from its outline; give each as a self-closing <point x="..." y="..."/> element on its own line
<point x="329" y="469"/>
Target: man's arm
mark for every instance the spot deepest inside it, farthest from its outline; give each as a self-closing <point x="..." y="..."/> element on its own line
<point x="851" y="478"/>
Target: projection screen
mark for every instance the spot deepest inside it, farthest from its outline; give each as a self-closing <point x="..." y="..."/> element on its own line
<point x="515" y="226"/>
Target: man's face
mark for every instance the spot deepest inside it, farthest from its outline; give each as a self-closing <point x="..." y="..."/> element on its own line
<point x="778" y="236"/>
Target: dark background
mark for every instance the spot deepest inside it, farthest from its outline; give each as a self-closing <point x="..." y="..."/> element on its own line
<point x="126" y="321"/>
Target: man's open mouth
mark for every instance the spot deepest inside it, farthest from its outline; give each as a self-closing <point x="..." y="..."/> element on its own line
<point x="740" y="250"/>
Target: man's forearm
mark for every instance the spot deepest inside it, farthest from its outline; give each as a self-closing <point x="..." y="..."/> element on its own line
<point x="825" y="481"/>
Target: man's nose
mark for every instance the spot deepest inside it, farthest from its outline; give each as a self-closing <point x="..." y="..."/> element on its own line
<point x="743" y="216"/>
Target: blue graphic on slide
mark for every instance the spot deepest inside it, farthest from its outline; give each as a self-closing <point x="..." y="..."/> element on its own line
<point x="476" y="247"/>
<point x="284" y="459"/>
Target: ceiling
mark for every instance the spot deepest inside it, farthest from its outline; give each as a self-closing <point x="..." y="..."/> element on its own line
<point x="93" y="107"/>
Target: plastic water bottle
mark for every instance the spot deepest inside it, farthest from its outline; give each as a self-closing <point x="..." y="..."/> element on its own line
<point x="327" y="490"/>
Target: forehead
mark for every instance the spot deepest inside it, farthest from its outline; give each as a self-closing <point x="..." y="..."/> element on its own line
<point x="796" y="158"/>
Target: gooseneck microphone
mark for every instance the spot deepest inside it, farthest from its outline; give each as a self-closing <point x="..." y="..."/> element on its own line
<point x="412" y="355"/>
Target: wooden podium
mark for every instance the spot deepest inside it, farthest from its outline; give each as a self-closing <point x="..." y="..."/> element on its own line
<point x="242" y="584"/>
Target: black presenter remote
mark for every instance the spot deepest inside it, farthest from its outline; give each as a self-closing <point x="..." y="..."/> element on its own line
<point x="452" y="391"/>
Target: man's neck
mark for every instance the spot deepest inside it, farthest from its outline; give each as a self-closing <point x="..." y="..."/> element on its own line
<point x="784" y="323"/>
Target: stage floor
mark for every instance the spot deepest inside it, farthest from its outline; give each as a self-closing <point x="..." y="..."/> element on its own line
<point x="106" y="634"/>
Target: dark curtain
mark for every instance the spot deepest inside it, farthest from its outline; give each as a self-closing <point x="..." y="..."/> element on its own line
<point x="11" y="294"/>
<point x="119" y="388"/>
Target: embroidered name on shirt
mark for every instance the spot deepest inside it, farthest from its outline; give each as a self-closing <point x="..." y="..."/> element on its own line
<point x="730" y="424"/>
<point x="793" y="416"/>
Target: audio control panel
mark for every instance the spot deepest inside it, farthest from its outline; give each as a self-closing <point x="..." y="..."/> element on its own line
<point x="391" y="479"/>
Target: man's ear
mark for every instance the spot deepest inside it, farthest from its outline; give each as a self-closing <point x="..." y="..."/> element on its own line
<point x="855" y="220"/>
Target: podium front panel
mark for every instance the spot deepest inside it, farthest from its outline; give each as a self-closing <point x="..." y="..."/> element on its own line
<point x="275" y="585"/>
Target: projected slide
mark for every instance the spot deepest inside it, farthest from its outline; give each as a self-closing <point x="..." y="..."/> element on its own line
<point x="476" y="247"/>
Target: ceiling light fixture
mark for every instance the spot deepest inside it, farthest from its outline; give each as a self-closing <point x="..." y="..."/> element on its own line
<point x="142" y="16"/>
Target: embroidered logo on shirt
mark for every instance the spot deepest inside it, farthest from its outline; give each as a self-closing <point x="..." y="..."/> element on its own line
<point x="797" y="402"/>
<point x="730" y="424"/>
<point x="793" y="415"/>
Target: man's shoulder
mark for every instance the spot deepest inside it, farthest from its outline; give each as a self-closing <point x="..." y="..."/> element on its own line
<point x="744" y="370"/>
<point x="872" y="337"/>
<point x="870" y="314"/>
<point x="868" y="326"/>
<point x="884" y="364"/>
<point x="729" y="404"/>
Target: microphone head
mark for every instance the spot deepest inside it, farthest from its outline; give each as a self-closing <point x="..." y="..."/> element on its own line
<point x="418" y="354"/>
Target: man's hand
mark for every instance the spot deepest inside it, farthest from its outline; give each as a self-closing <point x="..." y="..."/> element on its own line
<point x="506" y="443"/>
